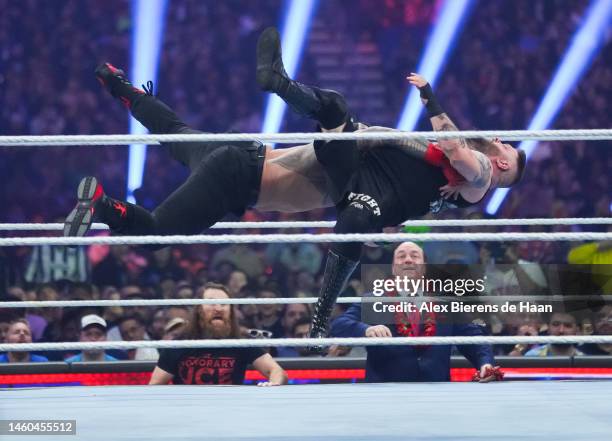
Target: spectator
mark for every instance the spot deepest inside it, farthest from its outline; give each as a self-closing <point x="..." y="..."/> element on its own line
<point x="168" y="288"/>
<point x="517" y="323"/>
<point x="514" y="276"/>
<point x="560" y="323"/>
<point x="247" y="314"/>
<point x="242" y="257"/>
<point x="112" y="270"/>
<point x="600" y="256"/>
<point x="36" y="321"/>
<point x="460" y="253"/>
<point x="66" y="330"/>
<point x="183" y="290"/>
<point x="214" y="366"/>
<point x="236" y="281"/>
<point x="16" y="291"/>
<point x="144" y="313"/>
<point x="157" y="325"/>
<point x="300" y="329"/>
<point x="410" y="363"/>
<point x="132" y="328"/>
<point x="81" y="291"/>
<point x="112" y="313"/>
<point x="174" y="328"/>
<point x="163" y="265"/>
<point x="129" y="292"/>
<point x="293" y="312"/>
<point x="269" y="314"/>
<point x="602" y="325"/>
<point x="47" y="292"/>
<point x="6" y="317"/>
<point x="18" y="333"/>
<point x="173" y="312"/>
<point x="296" y="257"/>
<point x="93" y="329"/>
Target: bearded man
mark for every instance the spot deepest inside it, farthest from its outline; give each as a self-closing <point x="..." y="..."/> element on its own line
<point x="214" y="365"/>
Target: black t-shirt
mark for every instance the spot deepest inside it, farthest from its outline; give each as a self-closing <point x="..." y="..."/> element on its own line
<point x="404" y="187"/>
<point x="208" y="366"/>
<point x="276" y="329"/>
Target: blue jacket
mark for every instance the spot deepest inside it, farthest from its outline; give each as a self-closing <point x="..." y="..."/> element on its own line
<point x="410" y="363"/>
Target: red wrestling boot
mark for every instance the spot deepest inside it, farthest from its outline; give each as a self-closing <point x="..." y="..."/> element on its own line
<point x="116" y="82"/>
<point x="93" y="204"/>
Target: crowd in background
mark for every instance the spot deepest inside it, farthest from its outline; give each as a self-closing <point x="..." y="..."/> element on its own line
<point x="273" y="271"/>
<point x="494" y="78"/>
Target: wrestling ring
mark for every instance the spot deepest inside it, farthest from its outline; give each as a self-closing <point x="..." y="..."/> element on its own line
<point x="506" y="410"/>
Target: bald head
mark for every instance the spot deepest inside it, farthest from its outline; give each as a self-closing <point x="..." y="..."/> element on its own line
<point x="409" y="260"/>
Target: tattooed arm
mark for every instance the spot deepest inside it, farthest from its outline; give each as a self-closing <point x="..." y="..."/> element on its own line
<point x="474" y="166"/>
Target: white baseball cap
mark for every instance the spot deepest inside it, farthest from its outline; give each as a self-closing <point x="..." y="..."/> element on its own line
<point x="176" y="321"/>
<point x="92" y="319"/>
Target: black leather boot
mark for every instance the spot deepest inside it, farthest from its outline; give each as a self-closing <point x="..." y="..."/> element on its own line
<point x="272" y="77"/>
<point x="338" y="270"/>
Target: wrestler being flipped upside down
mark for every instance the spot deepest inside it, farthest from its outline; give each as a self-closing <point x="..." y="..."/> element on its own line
<point x="371" y="184"/>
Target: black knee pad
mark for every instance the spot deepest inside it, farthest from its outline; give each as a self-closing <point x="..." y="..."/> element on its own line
<point x="334" y="110"/>
<point x="357" y="218"/>
<point x="360" y="215"/>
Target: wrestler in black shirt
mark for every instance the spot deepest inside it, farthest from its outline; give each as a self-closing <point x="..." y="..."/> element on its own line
<point x="377" y="187"/>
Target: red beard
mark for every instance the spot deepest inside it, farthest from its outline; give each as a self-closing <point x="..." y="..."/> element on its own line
<point x="213" y="329"/>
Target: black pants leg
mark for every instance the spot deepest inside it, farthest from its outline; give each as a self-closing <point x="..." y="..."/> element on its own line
<point x="157" y="117"/>
<point x="199" y="202"/>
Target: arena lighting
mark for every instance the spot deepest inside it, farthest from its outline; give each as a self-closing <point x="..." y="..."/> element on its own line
<point x="293" y="33"/>
<point x="450" y="20"/>
<point x="584" y="46"/>
<point x="148" y="18"/>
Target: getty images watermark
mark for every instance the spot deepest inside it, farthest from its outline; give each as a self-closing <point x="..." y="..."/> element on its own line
<point x="405" y="286"/>
<point x="493" y="292"/>
<point x="410" y="286"/>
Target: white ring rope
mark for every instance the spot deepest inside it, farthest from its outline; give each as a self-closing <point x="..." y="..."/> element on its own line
<point x="167" y="302"/>
<point x="302" y="342"/>
<point x="331" y="224"/>
<point x="286" y="301"/>
<point x="507" y="135"/>
<point x="298" y="238"/>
